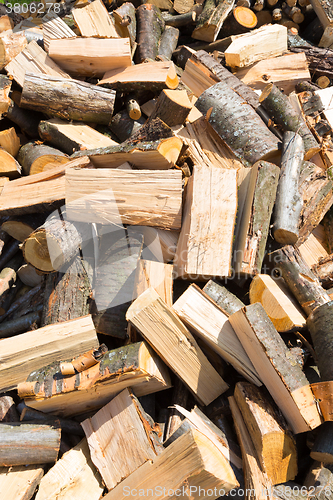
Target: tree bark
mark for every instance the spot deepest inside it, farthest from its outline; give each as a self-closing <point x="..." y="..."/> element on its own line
<point x="125" y="21"/>
<point x="172" y="107"/>
<point x="211" y="19"/>
<point x="8" y="412"/>
<point x="123" y="126"/>
<point x="21" y="325"/>
<point x="150" y="28"/>
<point x="223" y="298"/>
<point x="34" y="157"/>
<point x="168" y="42"/>
<point x="320" y="60"/>
<point x="68" y="99"/>
<point x="27" y="121"/>
<point x="322" y="449"/>
<point x="289" y="203"/>
<point x="321" y="328"/>
<point x="23" y="444"/>
<point x="68" y="426"/>
<point x="237" y="124"/>
<point x="25" y="300"/>
<point x="283" y="114"/>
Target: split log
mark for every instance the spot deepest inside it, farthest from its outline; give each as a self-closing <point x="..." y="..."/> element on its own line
<point x="241" y="20"/>
<point x="156" y="275"/>
<point x="210" y="323"/>
<point x="28" y="443"/>
<point x="284" y="71"/>
<point x="172" y="107"/>
<point x="284" y="115"/>
<point x="125" y="21"/>
<point x="168" y="42"/>
<point x="8" y="411"/>
<point x="160" y="326"/>
<point x="5" y="101"/>
<point x="183" y="6"/>
<point x="314" y="248"/>
<point x="274" y="444"/>
<point x="55" y="27"/>
<point x="34" y="157"/>
<point x="11" y="44"/>
<point x="211" y="19"/>
<point x="265" y="42"/>
<point x="160" y="242"/>
<point x="150" y="26"/>
<point x="280" y="306"/>
<point x="322" y="449"/>
<point x="237" y="124"/>
<point x="289" y="203"/>
<point x="183" y="465"/>
<point x="204" y="247"/>
<point x="54" y="243"/>
<point x="325" y="15"/>
<point x="9" y="141"/>
<point x="93" y="20"/>
<point x="134" y="365"/>
<point x="119" y="253"/>
<point x="8" y="273"/>
<point x="44" y="345"/>
<point x="255" y="480"/>
<point x="159" y="197"/>
<point x="27" y="121"/>
<point x="133" y="107"/>
<point x="150" y="155"/>
<point x="91" y="56"/>
<point x="68" y="99"/>
<point x="74" y="474"/>
<point x="67" y="294"/>
<point x="276" y="366"/>
<point x="317" y="191"/>
<point x="33" y="60"/>
<point x="258" y="190"/>
<point x="20" y="482"/>
<point x="154" y="76"/>
<point x="223" y="298"/>
<point x="70" y="137"/>
<point x="6" y="23"/>
<point x="8" y="165"/>
<point x="123" y="126"/>
<point x="324" y="271"/>
<point x="300" y="279"/>
<point x="180" y="395"/>
<point x="121" y="425"/>
<point x="196" y="419"/>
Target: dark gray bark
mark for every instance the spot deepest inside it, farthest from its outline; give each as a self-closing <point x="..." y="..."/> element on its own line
<point x="223" y="298"/>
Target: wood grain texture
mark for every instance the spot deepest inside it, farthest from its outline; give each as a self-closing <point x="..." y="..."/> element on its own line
<point x="19" y="482"/>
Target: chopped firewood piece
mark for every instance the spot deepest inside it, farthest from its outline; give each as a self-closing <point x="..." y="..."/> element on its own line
<point x="117" y="427"/>
<point x="150" y="26"/>
<point x="125" y="21"/>
<point x="241" y="20"/>
<point x="211" y="324"/>
<point x="74" y="474"/>
<point x="276" y="366"/>
<point x="322" y="449"/>
<point x="6" y="23"/>
<point x="153" y="76"/>
<point x="267" y="41"/>
<point x="324" y="11"/>
<point x="33" y="60"/>
<point x="211" y="19"/>
<point x="280" y="306"/>
<point x="28" y="351"/>
<point x="9" y="141"/>
<point x="162" y="328"/>
<point x="20" y="482"/>
<point x="11" y="44"/>
<point x="5" y="101"/>
<point x="315" y="246"/>
<point x="135" y="365"/>
<point x="205" y="243"/>
<point x="168" y="42"/>
<point x="20" y="228"/>
<point x="157" y="275"/>
<point x="34" y="157"/>
<point x="9" y="167"/>
<point x="226" y="300"/>
<point x="55" y="27"/>
<point x="172" y="107"/>
<point x="190" y="461"/>
<point x="95" y="21"/>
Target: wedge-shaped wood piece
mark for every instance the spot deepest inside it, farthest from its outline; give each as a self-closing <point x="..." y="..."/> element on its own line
<point x="162" y="328"/>
<point x="94" y="20"/>
<point x="211" y="324"/>
<point x="19" y="482"/>
<point x="255" y="480"/>
<point x="91" y="56"/>
<point x="276" y="366"/>
<point x="238" y="125"/>
<point x="153" y="76"/>
<point x="324" y="12"/>
<point x="284" y="71"/>
<point x="197" y="78"/>
<point x="39" y="193"/>
<point x="145" y="197"/>
<point x="191" y="461"/>
<point x="24" y="353"/>
<point x="205" y="243"/>
<point x="9" y="141"/>
<point x="33" y="444"/>
<point x="315" y="246"/>
<point x="33" y="59"/>
<point x="262" y="43"/>
<point x="68" y="99"/>
<point x="8" y="165"/>
<point x="121" y="437"/>
<point x="135" y="365"/>
<point x="55" y="27"/>
<point x="73" y="475"/>
<point x="275" y="445"/>
<point x="256" y="197"/>
<point x="71" y="137"/>
<point x="11" y="44"/>
<point x="154" y="274"/>
<point x="149" y="155"/>
<point x="280" y="305"/>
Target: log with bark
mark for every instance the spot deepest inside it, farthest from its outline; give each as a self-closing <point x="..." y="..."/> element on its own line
<point x="67" y="99"/>
<point x="211" y="19"/>
<point x="135" y="365"/>
<point x="123" y="126"/>
<point x="223" y="298"/>
<point x="241" y="20"/>
<point x="150" y="26"/>
<point x="35" y="157"/>
<point x="172" y="107"/>
<point x="168" y="42"/>
<point x="125" y="21"/>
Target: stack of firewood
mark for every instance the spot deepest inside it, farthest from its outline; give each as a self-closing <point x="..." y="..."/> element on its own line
<point x="166" y="250"/>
